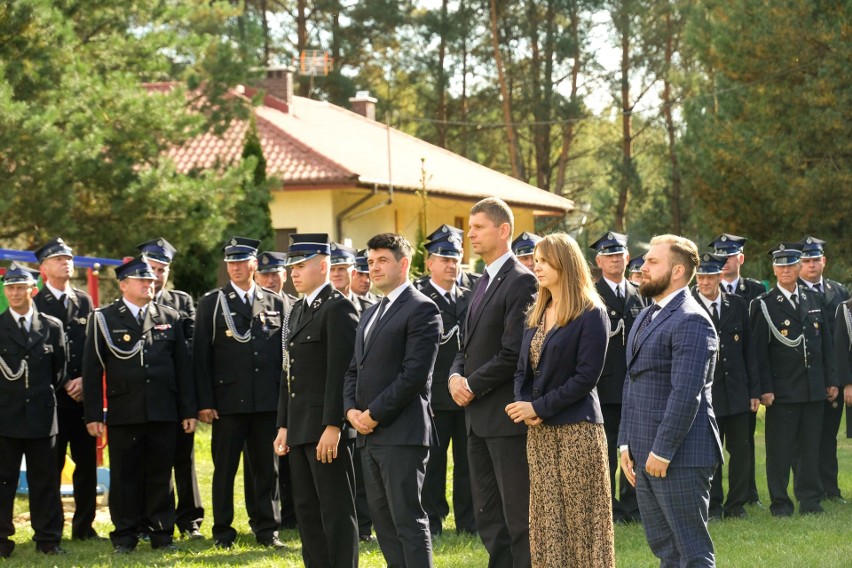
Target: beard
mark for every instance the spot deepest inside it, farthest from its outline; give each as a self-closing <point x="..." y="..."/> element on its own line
<point x="653" y="288"/>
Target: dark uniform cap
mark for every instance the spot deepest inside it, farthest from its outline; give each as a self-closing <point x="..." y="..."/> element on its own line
<point x="727" y="244"/>
<point x="785" y="254"/>
<point x="447" y="245"/>
<point x="135" y="268"/>
<point x="17" y="274"/>
<point x="56" y="247"/>
<point x="342" y="254"/>
<point x="524" y="245"/>
<point x="271" y="261"/>
<point x="361" y="264"/>
<point x="240" y="248"/>
<point x="635" y="264"/>
<point x="158" y="249"/>
<point x="711" y="263"/>
<point x="610" y="243"/>
<point x="305" y="246"/>
<point x="812" y="247"/>
<point x="444" y="230"/>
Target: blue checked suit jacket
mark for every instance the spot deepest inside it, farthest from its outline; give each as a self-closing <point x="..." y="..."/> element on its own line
<point x="667" y="405"/>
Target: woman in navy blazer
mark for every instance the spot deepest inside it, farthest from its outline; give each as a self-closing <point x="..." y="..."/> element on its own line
<point x="561" y="359"/>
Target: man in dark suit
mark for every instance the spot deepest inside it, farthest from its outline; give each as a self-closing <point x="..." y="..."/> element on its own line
<point x="668" y="429"/>
<point x="386" y="399"/>
<point x="735" y="387"/>
<point x="140" y="346"/>
<point x="833" y="294"/>
<point x="271" y="274"/>
<point x="32" y="368"/>
<point x="71" y="306"/>
<point x="189" y="512"/>
<point x="623" y="303"/>
<point x="482" y="381"/>
<point x="237" y="358"/>
<point x="795" y="357"/>
<point x="464" y="279"/>
<point x="523" y="247"/>
<point x="732" y="283"/>
<point x="311" y="428"/>
<point x="443" y="265"/>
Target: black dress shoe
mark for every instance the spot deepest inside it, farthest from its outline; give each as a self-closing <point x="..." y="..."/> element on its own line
<point x="782" y="513"/>
<point x="223" y="544"/>
<point x="736" y="513"/>
<point x="811" y="510"/>
<point x="51" y="550"/>
<point x="837" y="499"/>
<point x="192" y="534"/>
<point x="94" y="537"/>
<point x="123" y="549"/>
<point x="365" y="537"/>
<point x="271" y="543"/>
<point x="168" y="547"/>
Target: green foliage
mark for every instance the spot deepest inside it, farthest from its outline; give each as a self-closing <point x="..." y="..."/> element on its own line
<point x="83" y="142"/>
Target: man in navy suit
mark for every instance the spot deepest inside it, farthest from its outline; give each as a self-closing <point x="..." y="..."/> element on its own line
<point x="482" y="380"/>
<point x="668" y="429"/>
<point x="386" y="399"/>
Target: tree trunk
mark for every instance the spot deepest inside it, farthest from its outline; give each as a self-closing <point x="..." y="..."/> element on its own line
<point x="442" y="79"/>
<point x="568" y="127"/>
<point x="304" y="86"/>
<point x="625" y="179"/>
<point x="514" y="156"/>
<point x="676" y="179"/>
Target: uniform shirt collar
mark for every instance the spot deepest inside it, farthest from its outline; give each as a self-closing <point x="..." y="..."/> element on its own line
<point x="28" y="317"/>
<point x="441" y="291"/>
<point x="134" y="309"/>
<point x="614" y="287"/>
<point x="242" y="293"/>
<point x="309" y="299"/>
<point x="56" y="291"/>
<point x="733" y="284"/>
<point x="708" y="302"/>
<point x="812" y="284"/>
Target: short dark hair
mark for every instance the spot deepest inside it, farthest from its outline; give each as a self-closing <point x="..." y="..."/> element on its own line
<point x="497" y="211"/>
<point x="397" y="244"/>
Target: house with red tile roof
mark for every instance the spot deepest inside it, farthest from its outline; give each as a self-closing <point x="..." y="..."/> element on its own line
<point x="346" y="174"/>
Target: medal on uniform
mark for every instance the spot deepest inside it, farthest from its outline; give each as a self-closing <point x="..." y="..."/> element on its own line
<point x="816" y="325"/>
<point x="784" y="332"/>
<point x="229" y="333"/>
<point x="786" y="322"/>
<point x="736" y="337"/>
<point x="126" y="337"/>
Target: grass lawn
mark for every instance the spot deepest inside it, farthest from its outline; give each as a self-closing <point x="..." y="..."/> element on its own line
<point x="760" y="540"/>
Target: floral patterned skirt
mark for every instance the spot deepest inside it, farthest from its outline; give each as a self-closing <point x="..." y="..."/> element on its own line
<point x="570" y="503"/>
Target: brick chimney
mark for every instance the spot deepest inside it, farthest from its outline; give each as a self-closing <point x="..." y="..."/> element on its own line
<point x="363" y="104"/>
<point x="278" y="82"/>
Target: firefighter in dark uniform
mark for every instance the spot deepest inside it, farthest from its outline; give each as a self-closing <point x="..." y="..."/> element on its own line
<point x="731" y="247"/>
<point x="272" y="274"/>
<point x="32" y="368"/>
<point x="72" y="307"/>
<point x="523" y="248"/>
<point x="623" y="303"/>
<point x="237" y="357"/>
<point x="834" y="294"/>
<point x="140" y="346"/>
<point x="634" y="269"/>
<point x="465" y="279"/>
<point x="843" y="353"/>
<point x="360" y="284"/>
<point x="362" y="298"/>
<point x="795" y="357"/>
<point x="342" y="260"/>
<point x="735" y="385"/>
<point x="443" y="264"/>
<point x="189" y="512"/>
<point x="320" y="339"/>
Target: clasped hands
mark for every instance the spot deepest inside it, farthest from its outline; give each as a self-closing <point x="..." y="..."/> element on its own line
<point x="523" y="412"/>
<point x="361" y="421"/>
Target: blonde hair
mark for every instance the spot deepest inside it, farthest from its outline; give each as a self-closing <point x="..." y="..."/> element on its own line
<point x="577" y="291"/>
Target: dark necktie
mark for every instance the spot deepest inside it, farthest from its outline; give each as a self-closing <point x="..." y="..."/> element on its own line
<point x="64" y="299"/>
<point x="619" y="295"/>
<point x="818" y="287"/>
<point x="247" y="300"/>
<point x="643" y="325"/>
<point x="794" y="298"/>
<point x="714" y="313"/>
<point x="22" y="321"/>
<point x="479" y="293"/>
<point x="379" y="313"/>
<point x="140" y="317"/>
<point x="730" y="288"/>
<point x="451" y="300"/>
